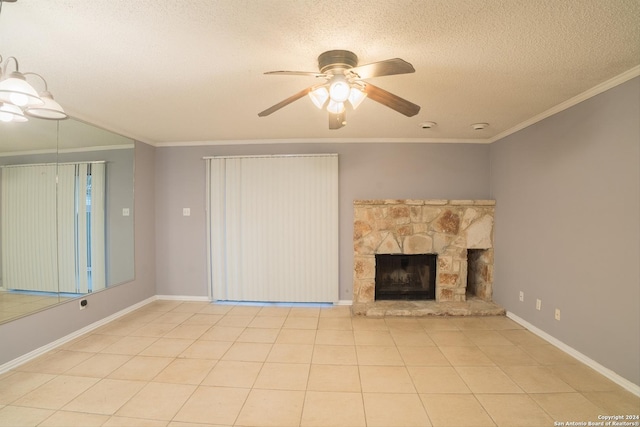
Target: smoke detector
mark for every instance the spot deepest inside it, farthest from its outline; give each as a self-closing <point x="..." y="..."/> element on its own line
<point x="479" y="126"/>
<point x="428" y="125"/>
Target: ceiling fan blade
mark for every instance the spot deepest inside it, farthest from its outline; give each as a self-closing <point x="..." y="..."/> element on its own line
<point x="297" y="73"/>
<point x="284" y="103"/>
<point x="383" y="68"/>
<point x="390" y="100"/>
<point x="336" y="121"/>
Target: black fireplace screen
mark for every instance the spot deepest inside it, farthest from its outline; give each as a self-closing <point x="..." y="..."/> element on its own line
<point x="406" y="277"/>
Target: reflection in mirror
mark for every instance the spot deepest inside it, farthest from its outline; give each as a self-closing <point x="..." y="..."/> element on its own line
<point x="66" y="213"/>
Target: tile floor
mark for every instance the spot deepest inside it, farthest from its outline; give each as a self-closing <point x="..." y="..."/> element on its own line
<point x="182" y="364"/>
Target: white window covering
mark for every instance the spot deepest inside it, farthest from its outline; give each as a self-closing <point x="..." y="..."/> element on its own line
<point x="40" y="253"/>
<point x="273" y="228"/>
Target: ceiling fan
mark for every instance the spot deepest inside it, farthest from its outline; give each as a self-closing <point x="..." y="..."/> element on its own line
<point x="345" y="81"/>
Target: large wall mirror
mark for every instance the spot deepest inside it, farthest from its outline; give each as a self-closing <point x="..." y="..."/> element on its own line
<point x="66" y="213"/>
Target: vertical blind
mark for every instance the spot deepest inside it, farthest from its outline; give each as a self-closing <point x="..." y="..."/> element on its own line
<point x="273" y="228"/>
<point x="53" y="236"/>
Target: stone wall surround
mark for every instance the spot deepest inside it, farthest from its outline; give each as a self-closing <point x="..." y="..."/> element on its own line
<point x="448" y="228"/>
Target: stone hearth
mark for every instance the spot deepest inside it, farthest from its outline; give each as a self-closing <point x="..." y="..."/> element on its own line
<point x="459" y="232"/>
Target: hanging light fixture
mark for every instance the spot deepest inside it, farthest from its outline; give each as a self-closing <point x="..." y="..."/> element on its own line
<point x="18" y="97"/>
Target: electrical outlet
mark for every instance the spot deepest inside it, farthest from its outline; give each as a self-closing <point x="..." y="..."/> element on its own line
<point x="538" y="304"/>
<point x="83" y="304"/>
<point x="186" y="212"/>
<point x="557" y="315"/>
<point x="521" y="296"/>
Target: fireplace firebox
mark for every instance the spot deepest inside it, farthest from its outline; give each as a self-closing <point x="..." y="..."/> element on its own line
<point x="405" y="277"/>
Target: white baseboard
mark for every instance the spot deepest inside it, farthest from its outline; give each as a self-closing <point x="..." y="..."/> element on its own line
<point x="345" y="302"/>
<point x="183" y="298"/>
<point x="622" y="382"/>
<point x="41" y="350"/>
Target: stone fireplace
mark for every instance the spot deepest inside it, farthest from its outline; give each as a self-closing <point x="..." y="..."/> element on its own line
<point x="458" y="233"/>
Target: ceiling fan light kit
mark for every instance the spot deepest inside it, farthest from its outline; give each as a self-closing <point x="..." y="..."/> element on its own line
<point x="19" y="99"/>
<point x="345" y="84"/>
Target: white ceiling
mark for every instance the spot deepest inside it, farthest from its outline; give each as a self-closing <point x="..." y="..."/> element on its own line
<point x="186" y="71"/>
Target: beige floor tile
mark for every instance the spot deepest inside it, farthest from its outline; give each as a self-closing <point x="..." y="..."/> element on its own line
<point x="437" y="379"/>
<point x="18" y="384"/>
<point x="93" y="343"/>
<point x="291" y="353"/>
<point x="115" y="421"/>
<point x="514" y="410"/>
<point x="334" y="355"/>
<point x="412" y="338"/>
<point x="482" y="337"/>
<point x="304" y="312"/>
<point x="57" y="362"/>
<point x="267" y="322"/>
<point x="158" y="401"/>
<point x="57" y="392"/>
<point x="327" y="409"/>
<point x="221" y="309"/>
<point x="582" y="378"/>
<point x="213" y="405"/>
<point x="283" y="376"/>
<point x="283" y="406"/>
<point x="368" y="324"/>
<point x="394" y="410"/>
<point x="503" y="355"/>
<point x="501" y="323"/>
<point x="153" y="330"/>
<point x="450" y="338"/>
<point x="373" y="338"/>
<point x="294" y="322"/>
<point x="203" y="319"/>
<point x="174" y="318"/>
<point x="338" y="323"/>
<point x="258" y="335"/>
<point x="187" y="330"/>
<point x="13" y="416"/>
<point x="423" y="356"/>
<point x="66" y="419"/>
<point x="536" y="379"/>
<point x="296" y="336"/>
<point x="233" y="374"/>
<point x="336" y="311"/>
<point x="276" y="311"/>
<point x="120" y="327"/>
<point x="141" y="368"/>
<point x="202" y="349"/>
<point x="222" y="333"/>
<point x="549" y="355"/>
<point x="334" y="378"/>
<point x="185" y="371"/>
<point x="334" y="337"/>
<point x="455" y="410"/>
<point x="487" y="379"/>
<point x="235" y="321"/>
<point x="615" y="401"/>
<point x="167" y="347"/>
<point x="466" y="356"/>
<point x="245" y="310"/>
<point x="105" y="397"/>
<point x="190" y="306"/>
<point x="470" y="323"/>
<point x="568" y="406"/>
<point x="403" y="324"/>
<point x="248" y="352"/>
<point x="129" y="345"/>
<point x="522" y="337"/>
<point x="378" y="355"/>
<point x="432" y="324"/>
<point x="389" y="379"/>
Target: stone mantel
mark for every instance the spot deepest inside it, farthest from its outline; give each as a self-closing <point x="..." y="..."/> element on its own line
<point x="448" y="228"/>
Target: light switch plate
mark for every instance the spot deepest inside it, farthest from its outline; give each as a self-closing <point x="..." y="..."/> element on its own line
<point x="186" y="212"/>
<point x="125" y="211"/>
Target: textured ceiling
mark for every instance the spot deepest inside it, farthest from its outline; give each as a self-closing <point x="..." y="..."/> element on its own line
<point x="192" y="70"/>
